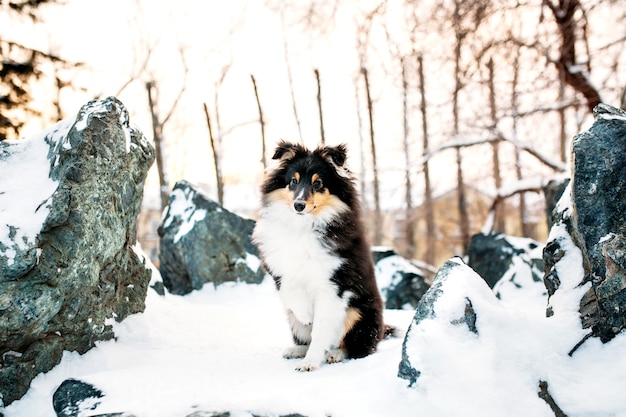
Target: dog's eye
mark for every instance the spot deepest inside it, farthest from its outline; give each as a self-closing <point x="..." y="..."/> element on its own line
<point x="294" y="181"/>
<point x="317" y="184"/>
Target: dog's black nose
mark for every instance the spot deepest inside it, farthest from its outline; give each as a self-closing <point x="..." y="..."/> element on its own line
<point x="299" y="205"/>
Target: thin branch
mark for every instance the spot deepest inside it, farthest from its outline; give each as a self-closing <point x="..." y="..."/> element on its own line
<point x="494" y="137"/>
<point x="137" y="74"/>
<point x="545" y="395"/>
<point x="261" y="122"/>
<point x="319" y="106"/>
<point x="532" y="185"/>
<point x="216" y="159"/>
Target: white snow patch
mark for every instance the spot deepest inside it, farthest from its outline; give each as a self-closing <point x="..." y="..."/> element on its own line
<point x="386" y="274"/>
<point x="253" y="262"/>
<point x="611" y="116"/>
<point x="26" y="189"/>
<point x="182" y="206"/>
<point x="606" y="237"/>
<point x="564" y="205"/>
<point x="189" y="222"/>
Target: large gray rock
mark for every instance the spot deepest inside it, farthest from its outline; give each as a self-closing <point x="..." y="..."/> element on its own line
<point x="452" y="273"/>
<point x="510" y="265"/>
<point x="202" y="242"/>
<point x="493" y="255"/>
<point x="73" y="397"/>
<point x="592" y="212"/>
<point x="599" y="218"/>
<point x="401" y="283"/>
<point x="60" y="287"/>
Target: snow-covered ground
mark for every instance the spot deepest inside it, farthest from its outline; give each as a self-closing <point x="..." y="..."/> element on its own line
<point x="219" y="349"/>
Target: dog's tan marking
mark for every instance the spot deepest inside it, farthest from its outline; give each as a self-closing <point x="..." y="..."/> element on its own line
<point x="352" y="317"/>
<point x="297" y="176"/>
<point x="325" y="200"/>
<point x="314" y="178"/>
<point x="283" y="194"/>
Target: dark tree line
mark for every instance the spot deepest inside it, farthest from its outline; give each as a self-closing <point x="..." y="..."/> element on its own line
<point x="20" y="68"/>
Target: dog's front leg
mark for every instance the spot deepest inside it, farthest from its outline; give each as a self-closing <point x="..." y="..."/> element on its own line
<point x="328" y="326"/>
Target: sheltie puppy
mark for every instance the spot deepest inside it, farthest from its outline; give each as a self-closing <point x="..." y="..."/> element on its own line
<point x="312" y="242"/>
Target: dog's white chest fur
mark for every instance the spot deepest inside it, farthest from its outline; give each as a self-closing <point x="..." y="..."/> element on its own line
<point x="293" y="251"/>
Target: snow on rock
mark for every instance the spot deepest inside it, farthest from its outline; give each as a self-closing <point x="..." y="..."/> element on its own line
<point x="490" y="357"/>
<point x="512" y="266"/>
<point x="25" y="192"/>
<point x="67" y="267"/>
<point x="202" y="242"/>
<point x="401" y="283"/>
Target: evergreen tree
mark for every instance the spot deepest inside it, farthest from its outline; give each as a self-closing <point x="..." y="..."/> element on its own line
<point x="19" y="68"/>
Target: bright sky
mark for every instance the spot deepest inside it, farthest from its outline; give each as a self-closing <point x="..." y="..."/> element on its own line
<point x="245" y="37"/>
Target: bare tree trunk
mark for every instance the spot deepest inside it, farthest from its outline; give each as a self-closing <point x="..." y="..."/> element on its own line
<point x="564" y="13"/>
<point x="410" y="215"/>
<point x="157" y="133"/>
<point x="361" y="148"/>
<point x="499" y="218"/>
<point x="60" y="84"/>
<point x="464" y="225"/>
<point x="157" y="129"/>
<point x="216" y="158"/>
<point x="319" y="106"/>
<point x="261" y="122"/>
<point x="525" y="227"/>
<point x="377" y="214"/>
<point x="431" y="236"/>
<point x="562" y="122"/>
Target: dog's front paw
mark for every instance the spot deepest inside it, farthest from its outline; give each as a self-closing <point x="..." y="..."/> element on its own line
<point x="295" y="352"/>
<point x="307" y="366"/>
<point x="336" y="355"/>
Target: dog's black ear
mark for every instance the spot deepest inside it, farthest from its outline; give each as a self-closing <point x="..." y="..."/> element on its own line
<point x="335" y="155"/>
<point x="286" y="151"/>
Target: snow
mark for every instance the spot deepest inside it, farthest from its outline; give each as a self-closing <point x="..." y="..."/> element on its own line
<point x="182" y="207"/>
<point x="387" y="268"/>
<point x="25" y="189"/>
<point x="253" y="262"/>
<point x="219" y="349"/>
<point x="613" y="116"/>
